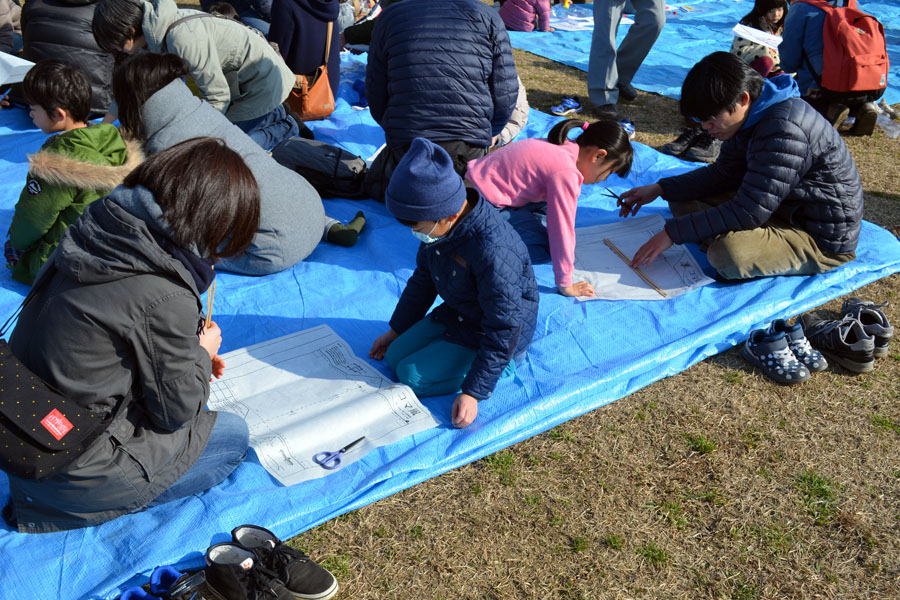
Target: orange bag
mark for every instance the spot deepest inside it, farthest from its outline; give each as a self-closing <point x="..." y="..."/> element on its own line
<point x="311" y="97"/>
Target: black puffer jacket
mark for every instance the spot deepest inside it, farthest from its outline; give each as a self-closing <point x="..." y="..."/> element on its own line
<point x="61" y="29"/>
<point x="791" y="164"/>
<point x="440" y="70"/>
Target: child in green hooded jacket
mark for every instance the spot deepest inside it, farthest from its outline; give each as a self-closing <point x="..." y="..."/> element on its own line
<point x="73" y="168"/>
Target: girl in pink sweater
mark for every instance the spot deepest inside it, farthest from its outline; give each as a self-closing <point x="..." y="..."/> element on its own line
<point x="536" y="174"/>
<point x="519" y="15"/>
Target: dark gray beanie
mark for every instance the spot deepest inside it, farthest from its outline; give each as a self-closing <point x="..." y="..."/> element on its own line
<point x="424" y="186"/>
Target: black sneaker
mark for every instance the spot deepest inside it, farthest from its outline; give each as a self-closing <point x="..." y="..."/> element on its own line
<point x="866" y="117"/>
<point x="303" y="577"/>
<point x="705" y="149"/>
<point x="837" y="114"/>
<point x="606" y="111"/>
<point x="627" y="92"/>
<point x="845" y="341"/>
<point x="235" y="573"/>
<point x="873" y="320"/>
<point x="686" y="138"/>
<point x="770" y="353"/>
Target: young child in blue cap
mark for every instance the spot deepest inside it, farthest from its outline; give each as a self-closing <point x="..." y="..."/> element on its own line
<point x="475" y="261"/>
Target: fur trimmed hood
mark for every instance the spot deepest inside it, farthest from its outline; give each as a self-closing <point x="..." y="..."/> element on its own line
<point x="63" y="170"/>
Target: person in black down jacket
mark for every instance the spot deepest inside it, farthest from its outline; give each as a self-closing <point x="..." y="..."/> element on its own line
<point x="476" y="262"/>
<point x="62" y="29"/>
<point x="792" y="201"/>
<point x="442" y="71"/>
<point x="300" y="27"/>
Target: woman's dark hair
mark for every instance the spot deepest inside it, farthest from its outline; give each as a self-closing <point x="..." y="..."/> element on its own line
<point x="716" y="83"/>
<point x="756" y="17"/>
<point x="605" y="134"/>
<point x="136" y="79"/>
<point x="117" y="21"/>
<point x="53" y="84"/>
<point x="207" y="193"/>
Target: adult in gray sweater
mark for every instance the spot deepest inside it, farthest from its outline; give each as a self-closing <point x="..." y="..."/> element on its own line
<point x="116" y="326"/>
<point x="156" y="106"/>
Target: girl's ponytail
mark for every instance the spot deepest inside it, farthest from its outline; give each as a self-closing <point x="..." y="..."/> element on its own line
<point x="605" y="134"/>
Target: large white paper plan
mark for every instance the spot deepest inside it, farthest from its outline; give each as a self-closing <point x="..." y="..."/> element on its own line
<point x="770" y="40"/>
<point x="675" y="271"/>
<point x="13" y="68"/>
<point x="307" y="393"/>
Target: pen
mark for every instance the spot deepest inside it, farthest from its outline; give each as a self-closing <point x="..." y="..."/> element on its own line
<point x="5" y="94"/>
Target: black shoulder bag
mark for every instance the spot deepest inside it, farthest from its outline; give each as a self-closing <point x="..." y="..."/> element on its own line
<point x="41" y="431"/>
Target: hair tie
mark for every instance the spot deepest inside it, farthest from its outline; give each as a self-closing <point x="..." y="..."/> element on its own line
<point x="585" y="125"/>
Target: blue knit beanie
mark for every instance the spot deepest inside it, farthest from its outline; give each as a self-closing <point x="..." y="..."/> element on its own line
<point x="424" y="186"/>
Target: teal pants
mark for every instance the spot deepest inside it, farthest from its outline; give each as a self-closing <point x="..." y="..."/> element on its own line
<point x="428" y="363"/>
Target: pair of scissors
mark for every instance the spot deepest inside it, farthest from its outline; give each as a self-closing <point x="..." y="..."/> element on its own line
<point x="612" y="194"/>
<point x="332" y="460"/>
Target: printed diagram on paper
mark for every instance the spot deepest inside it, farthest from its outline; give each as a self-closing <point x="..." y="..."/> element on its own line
<point x="675" y="270"/>
<point x="306" y="393"/>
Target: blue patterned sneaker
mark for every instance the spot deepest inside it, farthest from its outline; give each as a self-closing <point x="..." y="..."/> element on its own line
<point x="873" y="320"/>
<point x="570" y="105"/>
<point x="770" y="352"/>
<point x="628" y="126"/>
<point x="811" y="358"/>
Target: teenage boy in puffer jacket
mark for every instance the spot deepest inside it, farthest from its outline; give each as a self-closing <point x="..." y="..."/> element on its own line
<point x="475" y="261"/>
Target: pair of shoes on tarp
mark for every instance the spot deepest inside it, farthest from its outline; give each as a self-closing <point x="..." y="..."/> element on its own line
<point x="782" y="352"/>
<point x="694" y="144"/>
<point x="255" y="565"/>
<point x="862" y="334"/>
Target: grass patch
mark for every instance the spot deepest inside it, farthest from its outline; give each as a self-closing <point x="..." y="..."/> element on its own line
<point x="885" y="423"/>
<point x="819" y="495"/>
<point x="672" y="513"/>
<point x="699" y="444"/>
<point x="416" y="532"/>
<point x="653" y="554"/>
<point x="502" y="464"/>
<point x="338" y="565"/>
<point x="579" y="544"/>
<point x="614" y="541"/>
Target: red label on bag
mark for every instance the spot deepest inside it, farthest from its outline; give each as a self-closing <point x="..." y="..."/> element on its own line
<point x="57" y="424"/>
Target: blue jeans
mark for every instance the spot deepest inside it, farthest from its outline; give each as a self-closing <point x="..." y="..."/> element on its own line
<point x="249" y="17"/>
<point x="270" y="130"/>
<point x="225" y="450"/>
<point x="428" y="363"/>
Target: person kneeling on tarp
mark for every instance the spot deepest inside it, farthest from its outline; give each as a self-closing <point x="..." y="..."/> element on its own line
<point x="477" y="263"/>
<point x="116" y="326"/>
<point x="783" y="198"/>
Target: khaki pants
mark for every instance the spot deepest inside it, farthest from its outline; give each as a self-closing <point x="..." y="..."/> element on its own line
<point x="776" y="248"/>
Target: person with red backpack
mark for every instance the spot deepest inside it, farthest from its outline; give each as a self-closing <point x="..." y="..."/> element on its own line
<point x="840" y="57"/>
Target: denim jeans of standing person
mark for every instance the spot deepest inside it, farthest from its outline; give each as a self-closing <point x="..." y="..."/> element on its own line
<point x="270" y="130"/>
<point x="609" y="67"/>
<point x="225" y="450"/>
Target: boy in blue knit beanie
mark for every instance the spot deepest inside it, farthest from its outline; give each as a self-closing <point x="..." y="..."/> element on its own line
<point x="475" y="261"/>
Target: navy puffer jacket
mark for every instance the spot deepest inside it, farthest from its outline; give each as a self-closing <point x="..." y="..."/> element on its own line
<point x="791" y="164"/>
<point x="482" y="271"/>
<point x="442" y="71"/>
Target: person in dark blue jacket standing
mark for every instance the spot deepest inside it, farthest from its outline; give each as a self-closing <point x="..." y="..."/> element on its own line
<point x="783" y="198"/>
<point x="300" y="28"/>
<point x="442" y="71"/>
<point x="475" y="261"/>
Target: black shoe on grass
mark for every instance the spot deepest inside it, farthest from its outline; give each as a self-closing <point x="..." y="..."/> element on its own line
<point x="873" y="320"/>
<point x="705" y="149"/>
<point x="843" y="341"/>
<point x="686" y="138"/>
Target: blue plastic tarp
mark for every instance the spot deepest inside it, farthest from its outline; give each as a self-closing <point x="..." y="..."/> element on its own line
<point x="584" y="356"/>
<point x="692" y="30"/>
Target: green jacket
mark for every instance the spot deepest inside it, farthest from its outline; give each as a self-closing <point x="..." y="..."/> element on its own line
<point x="235" y="68"/>
<point x="70" y="171"/>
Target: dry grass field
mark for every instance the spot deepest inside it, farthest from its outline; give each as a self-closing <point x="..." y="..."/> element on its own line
<point x="714" y="483"/>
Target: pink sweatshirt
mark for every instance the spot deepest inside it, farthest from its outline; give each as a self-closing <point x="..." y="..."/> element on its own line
<point x="534" y="170"/>
<point x="518" y="15"/>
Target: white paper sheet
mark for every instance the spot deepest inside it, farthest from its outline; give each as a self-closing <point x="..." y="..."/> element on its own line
<point x="675" y="271"/>
<point x="13" y="68"/>
<point x="306" y="393"/>
<point x="578" y="17"/>
<point x="769" y="40"/>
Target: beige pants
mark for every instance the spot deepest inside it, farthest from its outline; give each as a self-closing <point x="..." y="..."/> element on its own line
<point x="776" y="248"/>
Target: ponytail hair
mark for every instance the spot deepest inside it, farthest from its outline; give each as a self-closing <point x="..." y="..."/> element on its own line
<point x="605" y="134"/>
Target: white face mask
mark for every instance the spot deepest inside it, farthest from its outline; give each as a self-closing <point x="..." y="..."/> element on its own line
<point x="426" y="238"/>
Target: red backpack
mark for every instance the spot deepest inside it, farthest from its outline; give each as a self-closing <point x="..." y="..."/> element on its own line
<point x="854" y="56"/>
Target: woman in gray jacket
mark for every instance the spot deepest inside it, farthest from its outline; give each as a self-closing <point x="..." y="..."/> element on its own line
<point x="117" y="326"/>
<point x="155" y="106"/>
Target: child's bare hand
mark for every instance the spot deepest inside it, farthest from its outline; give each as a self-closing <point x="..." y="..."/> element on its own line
<point x="218" y="367"/>
<point x="579" y="288"/>
<point x="380" y="346"/>
<point x="211" y="338"/>
<point x="465" y="409"/>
